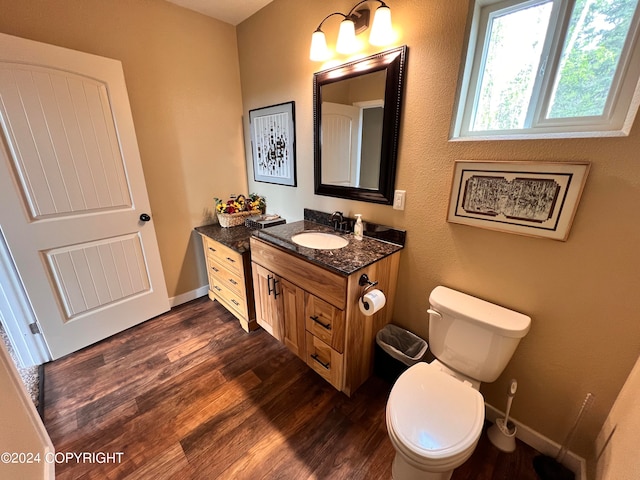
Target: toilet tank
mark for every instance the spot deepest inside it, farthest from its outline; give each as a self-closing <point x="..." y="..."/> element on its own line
<point x="472" y="336"/>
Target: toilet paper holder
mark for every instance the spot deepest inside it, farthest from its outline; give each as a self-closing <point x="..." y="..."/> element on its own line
<point x="366" y="284"/>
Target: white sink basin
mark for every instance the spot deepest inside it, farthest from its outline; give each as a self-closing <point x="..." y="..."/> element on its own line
<point x="319" y="240"/>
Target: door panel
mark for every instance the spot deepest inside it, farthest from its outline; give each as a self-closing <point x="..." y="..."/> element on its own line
<point x="99" y="273"/>
<point x="72" y="188"/>
<point x="268" y="307"/>
<point x="340" y="144"/>
<point x="62" y="140"/>
<point x="292" y="317"/>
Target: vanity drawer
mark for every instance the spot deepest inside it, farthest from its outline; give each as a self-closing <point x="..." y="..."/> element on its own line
<point x="223" y="255"/>
<point x="324" y="321"/>
<point x="226" y="277"/>
<point x="229" y="298"/>
<point x="326" y="361"/>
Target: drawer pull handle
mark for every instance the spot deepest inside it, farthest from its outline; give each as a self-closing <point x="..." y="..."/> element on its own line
<point x="212" y="249"/>
<point x="231" y="260"/>
<point x="236" y="303"/>
<point x="233" y="281"/>
<point x="324" y="365"/>
<point x="317" y="320"/>
<point x="215" y="269"/>
<point x="217" y="288"/>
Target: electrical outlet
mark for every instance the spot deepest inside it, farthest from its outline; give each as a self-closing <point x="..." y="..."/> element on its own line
<point x="398" y="199"/>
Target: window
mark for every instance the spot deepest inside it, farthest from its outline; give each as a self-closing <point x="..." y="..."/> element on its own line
<point x="550" y="68"/>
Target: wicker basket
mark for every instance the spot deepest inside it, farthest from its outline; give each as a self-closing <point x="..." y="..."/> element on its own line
<point x="234" y="219"/>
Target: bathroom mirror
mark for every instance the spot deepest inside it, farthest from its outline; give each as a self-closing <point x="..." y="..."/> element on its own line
<point x="356" y="121"/>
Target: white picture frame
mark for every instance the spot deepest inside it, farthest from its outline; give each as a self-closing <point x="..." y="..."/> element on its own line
<point x="527" y="198"/>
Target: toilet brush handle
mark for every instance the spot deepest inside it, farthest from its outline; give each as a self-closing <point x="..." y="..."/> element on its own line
<point x="513" y="386"/>
<point x="506" y="415"/>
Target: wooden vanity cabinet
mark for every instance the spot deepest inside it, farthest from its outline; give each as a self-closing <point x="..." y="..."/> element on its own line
<point x="230" y="282"/>
<point x="314" y="311"/>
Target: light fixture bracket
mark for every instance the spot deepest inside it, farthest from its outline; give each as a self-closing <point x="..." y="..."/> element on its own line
<point x="360" y="18"/>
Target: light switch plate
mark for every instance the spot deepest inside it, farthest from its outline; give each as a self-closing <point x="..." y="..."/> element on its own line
<point x="399" y="199"/>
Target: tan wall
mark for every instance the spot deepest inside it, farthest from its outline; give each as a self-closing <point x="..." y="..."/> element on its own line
<point x="581" y="294"/>
<point x="182" y="75"/>
<point x="617" y="442"/>
<point x="21" y="429"/>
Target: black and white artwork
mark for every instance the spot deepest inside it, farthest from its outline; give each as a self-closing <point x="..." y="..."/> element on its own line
<point x="273" y="144"/>
<point x="527" y="199"/>
<point x="537" y="199"/>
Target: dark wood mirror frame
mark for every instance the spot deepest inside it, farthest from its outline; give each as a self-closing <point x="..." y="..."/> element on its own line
<point x="393" y="61"/>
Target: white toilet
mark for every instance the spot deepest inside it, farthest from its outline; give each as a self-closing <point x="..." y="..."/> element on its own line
<point x="435" y="412"/>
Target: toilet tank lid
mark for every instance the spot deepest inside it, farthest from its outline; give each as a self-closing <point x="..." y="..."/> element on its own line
<point x="504" y="321"/>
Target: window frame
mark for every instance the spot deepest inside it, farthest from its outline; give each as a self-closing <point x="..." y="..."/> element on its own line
<point x="621" y="105"/>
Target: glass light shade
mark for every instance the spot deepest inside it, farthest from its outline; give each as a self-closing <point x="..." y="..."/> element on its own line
<point x="319" y="51"/>
<point x="347" y="42"/>
<point x="381" y="30"/>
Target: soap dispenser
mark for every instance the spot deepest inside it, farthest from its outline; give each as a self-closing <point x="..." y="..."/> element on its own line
<point x="357" y="228"/>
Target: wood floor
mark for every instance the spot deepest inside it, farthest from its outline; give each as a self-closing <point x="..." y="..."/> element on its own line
<point x="190" y="395"/>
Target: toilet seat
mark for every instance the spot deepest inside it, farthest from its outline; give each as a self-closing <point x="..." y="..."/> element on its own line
<point x="434" y="419"/>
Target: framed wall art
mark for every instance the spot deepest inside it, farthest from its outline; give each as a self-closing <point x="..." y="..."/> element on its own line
<point x="273" y="144"/>
<point x="528" y="198"/>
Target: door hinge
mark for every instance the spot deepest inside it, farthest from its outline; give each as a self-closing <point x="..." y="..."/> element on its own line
<point x="34" y="328"/>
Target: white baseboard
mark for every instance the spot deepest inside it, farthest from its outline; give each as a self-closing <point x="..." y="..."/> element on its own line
<point x="541" y="443"/>
<point x="188" y="296"/>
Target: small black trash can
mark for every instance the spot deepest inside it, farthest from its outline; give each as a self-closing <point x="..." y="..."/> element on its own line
<point x="396" y="349"/>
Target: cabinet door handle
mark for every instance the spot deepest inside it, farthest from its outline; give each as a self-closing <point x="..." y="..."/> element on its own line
<point x="324" y="365"/>
<point x="274" y="290"/>
<point x="269" y="278"/>
<point x="317" y="320"/>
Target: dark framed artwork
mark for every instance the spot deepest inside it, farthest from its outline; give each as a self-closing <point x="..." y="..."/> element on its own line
<point x="273" y="143"/>
<point x="528" y="198"/>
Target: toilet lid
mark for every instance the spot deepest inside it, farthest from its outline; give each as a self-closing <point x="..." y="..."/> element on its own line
<point x="434" y="414"/>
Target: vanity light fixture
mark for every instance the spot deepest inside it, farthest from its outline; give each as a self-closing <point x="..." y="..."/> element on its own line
<point x="354" y="22"/>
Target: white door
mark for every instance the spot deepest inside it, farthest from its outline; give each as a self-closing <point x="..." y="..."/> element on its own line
<point x="73" y="192"/>
<point x="340" y="144"/>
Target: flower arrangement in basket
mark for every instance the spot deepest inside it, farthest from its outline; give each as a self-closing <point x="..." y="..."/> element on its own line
<point x="234" y="211"/>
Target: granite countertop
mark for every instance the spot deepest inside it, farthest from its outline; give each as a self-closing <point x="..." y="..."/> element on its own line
<point x="345" y="261"/>
<point x="236" y="238"/>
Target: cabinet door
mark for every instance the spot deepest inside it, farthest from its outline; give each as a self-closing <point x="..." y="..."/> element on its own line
<point x="292" y="298"/>
<point x="268" y="304"/>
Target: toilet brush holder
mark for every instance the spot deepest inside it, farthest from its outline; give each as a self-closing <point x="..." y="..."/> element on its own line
<point x="503" y="435"/>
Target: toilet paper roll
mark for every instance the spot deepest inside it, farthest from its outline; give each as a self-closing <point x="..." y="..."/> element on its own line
<point x="373" y="301"/>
